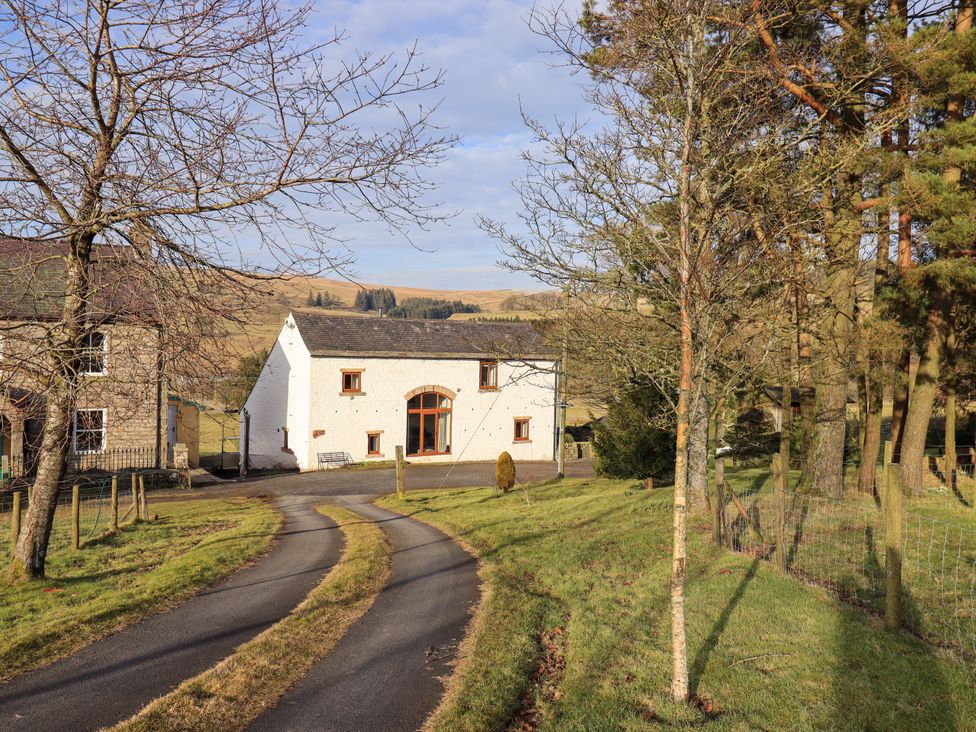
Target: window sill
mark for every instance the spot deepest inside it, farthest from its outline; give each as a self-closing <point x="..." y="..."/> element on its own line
<point x="521" y="442"/>
<point x="352" y="393"/>
<point x="374" y="455"/>
<point x="487" y="388"/>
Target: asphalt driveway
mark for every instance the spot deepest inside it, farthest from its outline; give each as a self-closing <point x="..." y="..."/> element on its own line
<point x="113" y="678"/>
<point x="378" y="482"/>
<point x="387" y="672"/>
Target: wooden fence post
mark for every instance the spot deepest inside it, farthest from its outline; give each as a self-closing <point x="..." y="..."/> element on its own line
<point x="143" y="505"/>
<point x="115" y="504"/>
<point x="718" y="514"/>
<point x="401" y="490"/>
<point x="887" y="457"/>
<point x="779" y="487"/>
<point x="893" y="546"/>
<point x="75" y="516"/>
<point x="15" y="520"/>
<point x="718" y="510"/>
<point x="135" y="497"/>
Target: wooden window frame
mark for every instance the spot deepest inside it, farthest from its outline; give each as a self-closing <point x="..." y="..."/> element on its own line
<point x="425" y="412"/>
<point x="528" y="434"/>
<point x="492" y="384"/>
<point x="378" y="452"/>
<point x="358" y="374"/>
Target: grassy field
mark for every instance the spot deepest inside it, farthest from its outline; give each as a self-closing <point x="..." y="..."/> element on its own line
<point x="574" y="631"/>
<point x="237" y="690"/>
<point x="118" y="578"/>
<point x="210" y="432"/>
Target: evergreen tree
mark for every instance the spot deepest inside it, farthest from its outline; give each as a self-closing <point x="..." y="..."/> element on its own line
<point x="318" y="300"/>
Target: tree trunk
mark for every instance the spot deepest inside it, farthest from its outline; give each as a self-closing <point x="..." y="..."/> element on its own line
<point x="871" y="445"/>
<point x="834" y="346"/>
<point x="698" y="457"/>
<point x="63" y="357"/>
<point x="950" y="436"/>
<point x="899" y="406"/>
<point x="679" y="547"/>
<point x="950" y="410"/>
<point x="923" y="394"/>
<point x="805" y="382"/>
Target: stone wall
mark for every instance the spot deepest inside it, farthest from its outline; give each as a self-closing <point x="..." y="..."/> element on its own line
<point x="130" y="390"/>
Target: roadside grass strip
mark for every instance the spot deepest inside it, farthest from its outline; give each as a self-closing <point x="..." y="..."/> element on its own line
<point x="573" y="631"/>
<point x="119" y="578"/>
<point x="236" y="691"/>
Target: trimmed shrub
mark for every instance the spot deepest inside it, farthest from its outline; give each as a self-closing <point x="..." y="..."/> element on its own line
<point x="505" y="472"/>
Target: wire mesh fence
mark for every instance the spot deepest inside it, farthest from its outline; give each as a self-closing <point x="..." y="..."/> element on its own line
<point x="840" y="543"/>
<point x="94" y="508"/>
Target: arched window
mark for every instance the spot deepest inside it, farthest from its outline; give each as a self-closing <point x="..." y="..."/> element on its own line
<point x="429" y="424"/>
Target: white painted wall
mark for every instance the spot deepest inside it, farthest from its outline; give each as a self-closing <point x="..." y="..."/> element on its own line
<point x="279" y="400"/>
<point x="483" y="421"/>
<point x="303" y="393"/>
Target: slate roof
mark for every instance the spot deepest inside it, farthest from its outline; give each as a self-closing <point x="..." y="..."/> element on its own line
<point x="335" y="335"/>
<point x="32" y="281"/>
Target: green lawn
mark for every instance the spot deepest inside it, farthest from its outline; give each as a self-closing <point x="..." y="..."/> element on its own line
<point x="117" y="578"/>
<point x="574" y="630"/>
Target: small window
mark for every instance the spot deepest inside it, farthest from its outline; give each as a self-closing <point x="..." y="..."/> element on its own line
<point x="489" y="375"/>
<point x="521" y="429"/>
<point x="373" y="443"/>
<point x="352" y="382"/>
<point x="89" y="430"/>
<point x="93" y="354"/>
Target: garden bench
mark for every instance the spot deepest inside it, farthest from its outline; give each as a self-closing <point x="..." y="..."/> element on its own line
<point x="329" y="459"/>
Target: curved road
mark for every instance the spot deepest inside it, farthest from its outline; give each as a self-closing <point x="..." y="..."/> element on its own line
<point x="113" y="678"/>
<point x="386" y="672"/>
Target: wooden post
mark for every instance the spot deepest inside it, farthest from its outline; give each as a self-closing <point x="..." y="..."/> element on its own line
<point x="115" y="504"/>
<point x="893" y="546"/>
<point x="143" y="505"/>
<point x="718" y="510"/>
<point x="779" y="485"/>
<point x="15" y="519"/>
<point x="135" y="497"/>
<point x="244" y="446"/>
<point x="401" y="489"/>
<point x="75" y="516"/>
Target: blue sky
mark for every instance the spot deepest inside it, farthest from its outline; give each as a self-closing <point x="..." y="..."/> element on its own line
<point x="492" y="63"/>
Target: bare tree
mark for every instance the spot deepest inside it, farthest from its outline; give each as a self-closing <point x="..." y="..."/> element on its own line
<point x="660" y="213"/>
<point x="162" y="129"/>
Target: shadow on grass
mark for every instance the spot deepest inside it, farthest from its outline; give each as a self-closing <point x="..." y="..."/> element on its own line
<point x="697" y="669"/>
<point x="901" y="667"/>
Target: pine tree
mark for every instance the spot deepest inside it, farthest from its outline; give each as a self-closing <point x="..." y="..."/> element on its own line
<point x="939" y="190"/>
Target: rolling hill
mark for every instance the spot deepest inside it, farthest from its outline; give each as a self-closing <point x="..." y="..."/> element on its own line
<point x="264" y="319"/>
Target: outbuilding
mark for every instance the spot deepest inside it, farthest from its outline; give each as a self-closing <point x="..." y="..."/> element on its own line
<point x="445" y="390"/>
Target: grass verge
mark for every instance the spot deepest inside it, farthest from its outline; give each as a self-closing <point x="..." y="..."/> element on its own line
<point x="574" y="630"/>
<point x="119" y="578"/>
<point x="236" y="691"/>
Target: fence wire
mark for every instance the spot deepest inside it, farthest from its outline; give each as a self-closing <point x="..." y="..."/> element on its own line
<point x="94" y="510"/>
<point x="839" y="543"/>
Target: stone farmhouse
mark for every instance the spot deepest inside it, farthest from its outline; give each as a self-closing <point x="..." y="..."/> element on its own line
<point x="121" y="414"/>
<point x="445" y="390"/>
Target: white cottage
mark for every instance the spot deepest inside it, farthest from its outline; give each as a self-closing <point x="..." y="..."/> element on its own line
<point x="446" y="390"/>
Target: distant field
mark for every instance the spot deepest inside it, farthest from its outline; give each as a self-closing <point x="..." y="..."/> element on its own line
<point x="264" y="320"/>
<point x="210" y="432"/>
<point x="498" y="315"/>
